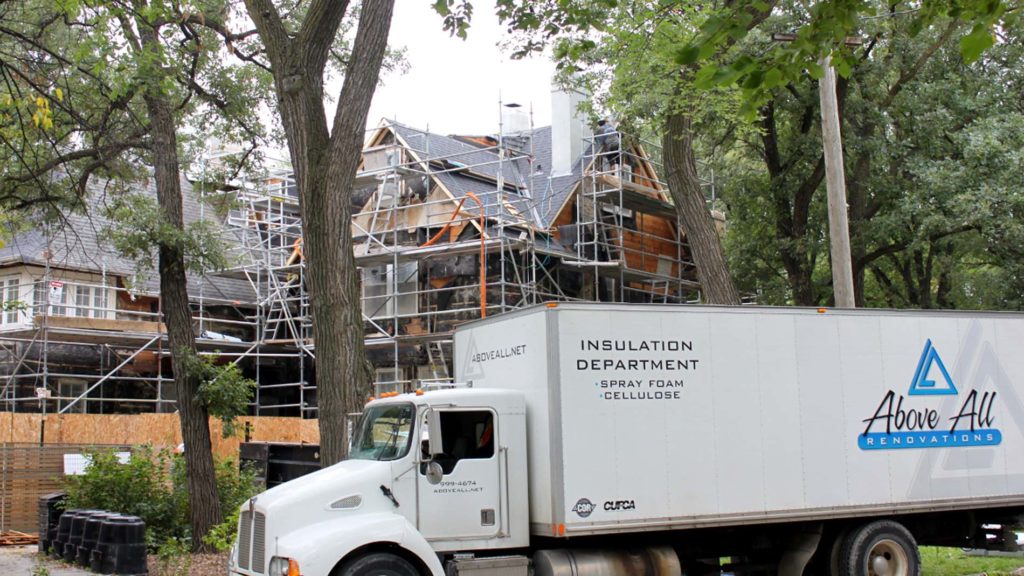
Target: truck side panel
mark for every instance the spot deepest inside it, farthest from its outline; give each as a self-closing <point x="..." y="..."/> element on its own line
<point x="684" y="417"/>
<point x="649" y="417"/>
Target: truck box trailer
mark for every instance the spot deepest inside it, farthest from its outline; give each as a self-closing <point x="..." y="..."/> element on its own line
<point x="601" y="439"/>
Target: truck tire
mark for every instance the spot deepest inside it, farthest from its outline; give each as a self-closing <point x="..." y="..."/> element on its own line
<point x="376" y="564"/>
<point x="880" y="548"/>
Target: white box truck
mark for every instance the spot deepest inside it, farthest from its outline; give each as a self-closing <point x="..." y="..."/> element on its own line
<point x="593" y="439"/>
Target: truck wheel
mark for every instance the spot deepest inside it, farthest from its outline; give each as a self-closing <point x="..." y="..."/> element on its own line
<point x="880" y="548"/>
<point x="376" y="564"/>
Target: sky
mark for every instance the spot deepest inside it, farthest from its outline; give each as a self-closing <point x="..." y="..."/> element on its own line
<point x="454" y="86"/>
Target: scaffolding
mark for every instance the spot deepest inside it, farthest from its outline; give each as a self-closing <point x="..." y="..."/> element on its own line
<point x="622" y="243"/>
<point x="445" y="230"/>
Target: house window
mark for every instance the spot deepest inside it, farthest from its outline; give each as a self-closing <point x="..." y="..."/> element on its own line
<point x="10" y="299"/>
<point x="100" y="302"/>
<point x="388" y="290"/>
<point x="387" y="380"/>
<point x="68" y="390"/>
<point x="81" y="300"/>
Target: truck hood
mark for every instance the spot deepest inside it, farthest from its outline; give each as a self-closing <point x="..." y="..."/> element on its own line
<point x="315" y="492"/>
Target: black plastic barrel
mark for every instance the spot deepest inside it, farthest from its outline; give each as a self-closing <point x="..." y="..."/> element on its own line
<point x="103" y="542"/>
<point x="63" y="532"/>
<point x="51" y="507"/>
<point x="121" y="546"/>
<point x="90" y="537"/>
<point x="76" y="533"/>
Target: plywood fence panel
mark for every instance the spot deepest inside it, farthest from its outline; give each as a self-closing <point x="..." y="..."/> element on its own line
<point x="157" y="430"/>
<point x="28" y="471"/>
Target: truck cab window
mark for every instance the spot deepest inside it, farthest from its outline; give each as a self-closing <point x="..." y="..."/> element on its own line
<point x="465" y="434"/>
<point x="384" y="433"/>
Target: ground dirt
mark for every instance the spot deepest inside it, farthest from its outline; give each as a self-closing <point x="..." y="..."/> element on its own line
<point x="26" y="560"/>
<point x="192" y="565"/>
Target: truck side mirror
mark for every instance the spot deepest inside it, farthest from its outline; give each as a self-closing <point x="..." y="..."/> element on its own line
<point x="434" y="433"/>
<point x="435" y="473"/>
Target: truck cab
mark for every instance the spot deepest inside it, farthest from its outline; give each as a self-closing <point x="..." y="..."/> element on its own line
<point x="428" y="473"/>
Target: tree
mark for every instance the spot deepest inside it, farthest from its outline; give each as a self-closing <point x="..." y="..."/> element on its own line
<point x="822" y="30"/>
<point x="118" y="80"/>
<point x="921" y="185"/>
<point x="325" y="158"/>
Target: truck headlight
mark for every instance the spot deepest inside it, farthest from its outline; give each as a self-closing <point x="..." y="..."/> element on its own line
<point x="283" y="567"/>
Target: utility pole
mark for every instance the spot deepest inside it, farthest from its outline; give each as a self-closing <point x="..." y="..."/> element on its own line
<point x="835" y="180"/>
<point x="835" y="184"/>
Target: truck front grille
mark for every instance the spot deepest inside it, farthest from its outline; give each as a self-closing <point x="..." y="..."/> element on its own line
<point x="259" y="543"/>
<point x="244" y="540"/>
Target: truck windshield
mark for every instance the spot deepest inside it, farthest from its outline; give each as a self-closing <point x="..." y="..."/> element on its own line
<point x="384" y="433"/>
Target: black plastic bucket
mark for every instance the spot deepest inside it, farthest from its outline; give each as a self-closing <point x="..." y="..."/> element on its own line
<point x="120" y="546"/>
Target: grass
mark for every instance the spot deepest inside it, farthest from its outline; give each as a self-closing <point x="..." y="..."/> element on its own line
<point x="953" y="562"/>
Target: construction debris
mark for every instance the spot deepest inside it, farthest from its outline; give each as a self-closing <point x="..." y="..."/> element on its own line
<point x="15" y="538"/>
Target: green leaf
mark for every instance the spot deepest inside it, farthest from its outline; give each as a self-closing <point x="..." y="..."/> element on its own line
<point x="687" y="55"/>
<point x="772" y="78"/>
<point x="842" y="66"/>
<point x="704" y="77"/>
<point x="815" y="70"/>
<point x="753" y="80"/>
<point x="973" y="44"/>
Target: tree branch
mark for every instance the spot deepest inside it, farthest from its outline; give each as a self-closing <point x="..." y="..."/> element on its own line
<point x="908" y="75"/>
<point x="321" y="26"/>
<point x="270" y="27"/>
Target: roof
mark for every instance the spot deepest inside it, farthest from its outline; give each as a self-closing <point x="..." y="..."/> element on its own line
<point x="463" y="166"/>
<point x="78" y="242"/>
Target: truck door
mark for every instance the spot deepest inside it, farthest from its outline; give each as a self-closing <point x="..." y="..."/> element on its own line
<point x="465" y="503"/>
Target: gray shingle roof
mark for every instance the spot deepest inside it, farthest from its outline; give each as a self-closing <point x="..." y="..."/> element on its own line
<point x="532" y="192"/>
<point x="78" y="243"/>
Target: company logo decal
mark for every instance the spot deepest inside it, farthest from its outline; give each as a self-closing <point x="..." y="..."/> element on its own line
<point x="583" y="507"/>
<point x="899" y="422"/>
<point x="616" y="505"/>
<point x="922" y="386"/>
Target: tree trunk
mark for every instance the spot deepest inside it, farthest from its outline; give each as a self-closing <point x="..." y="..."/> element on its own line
<point x="325" y="166"/>
<point x="684" y="186"/>
<point x="204" y="505"/>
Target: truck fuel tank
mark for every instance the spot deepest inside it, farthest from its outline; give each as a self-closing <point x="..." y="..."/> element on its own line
<point x="657" y="561"/>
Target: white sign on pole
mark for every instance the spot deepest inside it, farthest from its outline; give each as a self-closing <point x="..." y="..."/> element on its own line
<point x="56" y="291"/>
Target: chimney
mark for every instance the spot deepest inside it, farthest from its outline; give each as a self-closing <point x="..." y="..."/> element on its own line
<point x="569" y="129"/>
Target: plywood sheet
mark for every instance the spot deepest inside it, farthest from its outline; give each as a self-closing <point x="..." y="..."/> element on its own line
<point x="157" y="430"/>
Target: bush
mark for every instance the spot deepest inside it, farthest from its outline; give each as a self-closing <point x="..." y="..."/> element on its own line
<point x="153" y="486"/>
<point x="141" y="487"/>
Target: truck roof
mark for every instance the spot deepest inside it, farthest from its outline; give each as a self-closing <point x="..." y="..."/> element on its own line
<point x="505" y="401"/>
<point x="749" y="309"/>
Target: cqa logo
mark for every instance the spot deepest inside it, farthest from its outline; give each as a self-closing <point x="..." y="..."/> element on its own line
<point x="896" y="425"/>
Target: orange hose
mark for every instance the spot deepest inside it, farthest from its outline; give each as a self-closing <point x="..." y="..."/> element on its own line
<point x="483" y="251"/>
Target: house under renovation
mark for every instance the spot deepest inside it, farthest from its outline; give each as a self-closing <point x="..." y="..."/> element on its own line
<point x="447" y="229"/>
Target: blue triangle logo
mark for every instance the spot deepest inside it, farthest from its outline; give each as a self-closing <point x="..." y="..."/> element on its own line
<point x="924" y="386"/>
